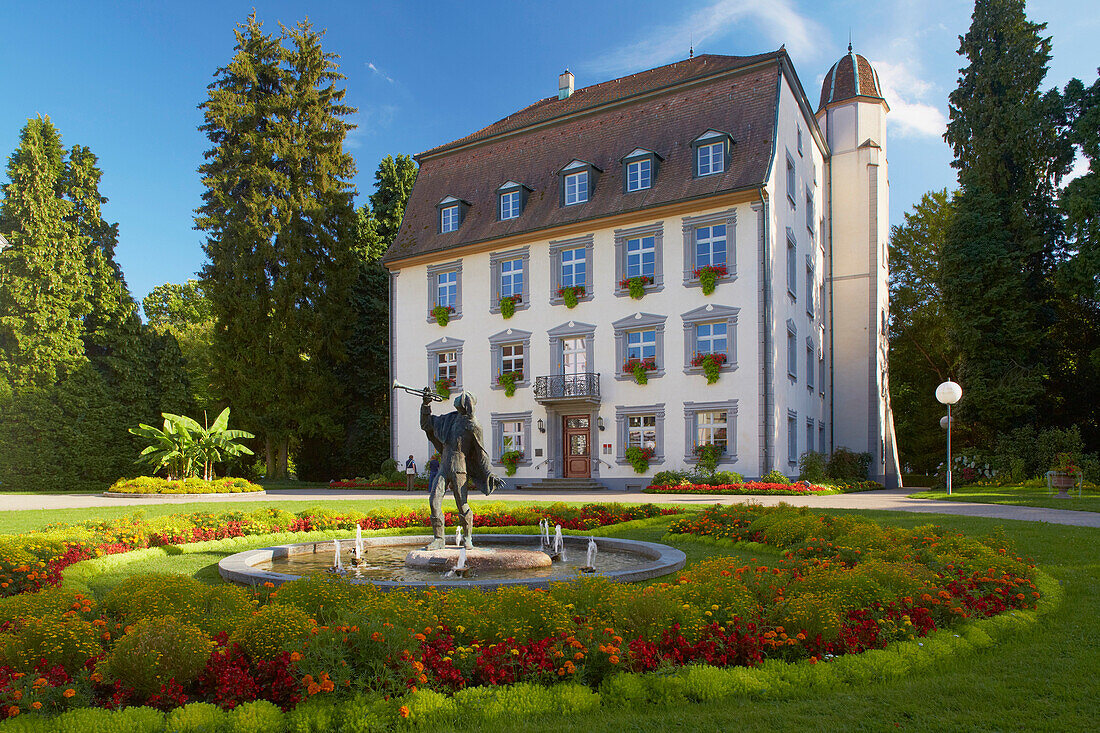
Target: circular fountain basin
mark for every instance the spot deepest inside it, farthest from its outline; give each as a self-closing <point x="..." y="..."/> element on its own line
<point x="384" y="562"/>
<point x="479" y="559"/>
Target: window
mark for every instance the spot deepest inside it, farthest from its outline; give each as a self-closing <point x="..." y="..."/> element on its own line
<point x="792" y="437"/>
<point x="639" y="336"/>
<point x="810" y="366"/>
<point x="710" y="429"/>
<point x="792" y="181"/>
<point x="508" y="351"/>
<point x="821" y="437"/>
<point x="447" y="365"/>
<point x="792" y="351"/>
<point x="448" y="219"/>
<point x="445" y="361"/>
<point x="639" y="175"/>
<point x="511" y="358"/>
<point x="511" y="431"/>
<point x="810" y="211"/>
<point x="574" y="264"/>
<point x="576" y="188"/>
<point x="792" y="266"/>
<point x="809" y="434"/>
<point x="641" y="426"/>
<point x="710" y="158"/>
<point x="574" y="356"/>
<point x="800" y="141"/>
<point x="511" y="278"/>
<point x="809" y="287"/>
<point x="710" y="338"/>
<point x="508" y="278"/>
<point x="571" y="348"/>
<point x="509" y="205"/>
<point x="710" y="329"/>
<point x="708" y="242"/>
<point x="571" y="267"/>
<point x="638" y="253"/>
<point x="445" y="288"/>
<point x="641" y="257"/>
<point x="821" y="373"/>
<point x="710" y="423"/>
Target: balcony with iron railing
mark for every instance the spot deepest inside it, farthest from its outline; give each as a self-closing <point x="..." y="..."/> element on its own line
<point x="563" y="388"/>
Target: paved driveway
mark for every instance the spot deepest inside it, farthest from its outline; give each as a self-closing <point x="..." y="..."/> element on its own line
<point x="890" y="500"/>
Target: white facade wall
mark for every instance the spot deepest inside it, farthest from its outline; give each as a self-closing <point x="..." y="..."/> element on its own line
<point x="415" y="330"/>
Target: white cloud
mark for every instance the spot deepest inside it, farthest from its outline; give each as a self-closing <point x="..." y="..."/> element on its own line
<point x="905" y="91"/>
<point x="378" y="72"/>
<point x="1080" y="168"/>
<point x="777" y="20"/>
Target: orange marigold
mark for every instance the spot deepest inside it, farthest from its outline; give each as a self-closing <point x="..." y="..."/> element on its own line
<point x="403" y="711"/>
<point x="69" y="692"/>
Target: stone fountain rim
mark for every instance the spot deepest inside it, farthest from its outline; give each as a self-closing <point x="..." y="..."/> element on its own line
<point x="240" y="567"/>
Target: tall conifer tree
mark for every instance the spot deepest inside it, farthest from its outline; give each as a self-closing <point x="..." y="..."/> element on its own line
<point x="1003" y="243"/>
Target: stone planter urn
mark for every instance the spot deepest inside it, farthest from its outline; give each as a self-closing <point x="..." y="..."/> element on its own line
<point x="1063" y="481"/>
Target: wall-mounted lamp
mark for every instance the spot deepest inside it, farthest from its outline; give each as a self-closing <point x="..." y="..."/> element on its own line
<point x="599" y="422"/>
<point x="542" y="426"/>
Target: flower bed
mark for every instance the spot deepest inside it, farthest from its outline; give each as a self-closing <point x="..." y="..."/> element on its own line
<point x="155" y="485"/>
<point x="843" y="585"/>
<point x="357" y="483"/>
<point x="763" y="488"/>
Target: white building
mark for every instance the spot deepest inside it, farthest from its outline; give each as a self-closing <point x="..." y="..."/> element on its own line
<point x="713" y="161"/>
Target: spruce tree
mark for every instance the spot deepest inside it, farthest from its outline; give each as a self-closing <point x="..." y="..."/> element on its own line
<point x="1003" y="243"/>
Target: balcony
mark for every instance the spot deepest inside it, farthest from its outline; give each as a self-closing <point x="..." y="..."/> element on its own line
<point x="566" y="388"/>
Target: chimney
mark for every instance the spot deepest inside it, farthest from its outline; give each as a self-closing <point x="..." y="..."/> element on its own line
<point x="565" y="85"/>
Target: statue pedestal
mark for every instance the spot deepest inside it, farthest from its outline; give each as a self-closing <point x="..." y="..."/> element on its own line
<point x="476" y="558"/>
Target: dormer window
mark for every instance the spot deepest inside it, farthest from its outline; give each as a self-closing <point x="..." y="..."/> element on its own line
<point x="640" y="170"/>
<point x="451" y="213"/>
<point x="711" y="150"/>
<point x="577" y="182"/>
<point x="512" y="197"/>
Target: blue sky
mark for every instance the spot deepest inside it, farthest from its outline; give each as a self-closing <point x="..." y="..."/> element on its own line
<point x="126" y="78"/>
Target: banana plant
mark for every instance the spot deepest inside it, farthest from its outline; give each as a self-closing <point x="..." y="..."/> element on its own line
<point x="182" y="445"/>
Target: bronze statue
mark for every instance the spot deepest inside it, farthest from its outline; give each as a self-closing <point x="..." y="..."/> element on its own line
<point x="462" y="462"/>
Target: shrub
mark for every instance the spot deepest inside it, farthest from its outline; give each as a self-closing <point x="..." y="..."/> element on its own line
<point x="259" y="716"/>
<point x="726" y="477"/>
<point x="639" y="458"/>
<point x="848" y="465"/>
<point x="157" y="650"/>
<point x="707" y="455"/>
<point x="811" y="466"/>
<point x="127" y="720"/>
<point x="197" y="717"/>
<point x="774" y="476"/>
<point x="156" y="485"/>
<point x="66" y="642"/>
<point x="210" y="608"/>
<point x="274" y="629"/>
<point x="46" y="602"/>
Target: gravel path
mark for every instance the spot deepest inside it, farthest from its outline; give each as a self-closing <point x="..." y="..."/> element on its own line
<point x="889" y="500"/>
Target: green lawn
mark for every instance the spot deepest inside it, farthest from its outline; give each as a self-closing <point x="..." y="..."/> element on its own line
<point x="1042" y="678"/>
<point x="1017" y="496"/>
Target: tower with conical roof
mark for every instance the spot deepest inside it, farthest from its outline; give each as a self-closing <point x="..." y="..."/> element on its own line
<point x="852" y="114"/>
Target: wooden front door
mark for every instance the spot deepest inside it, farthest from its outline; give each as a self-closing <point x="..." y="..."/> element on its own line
<point x="577" y="446"/>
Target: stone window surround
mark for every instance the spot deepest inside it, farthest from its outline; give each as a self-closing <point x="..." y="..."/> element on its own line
<point x="811" y="354"/>
<point x="811" y="424"/>
<point x="641" y="154"/>
<point x="791" y="180"/>
<point x="510" y="187"/>
<point x="556" y="248"/>
<point x="509" y="336"/>
<point x="571" y="329"/>
<point x="495" y="258"/>
<point x="576" y="166"/>
<point x="709" y="138"/>
<point x="821" y="369"/>
<point x="496" y="422"/>
<point x="622" y="412"/>
<point x="639" y="322"/>
<point x="811" y="286"/>
<point x="691" y="409"/>
<point x="792" y="265"/>
<point x="657" y="231"/>
<point x="445" y="343"/>
<point x="710" y="313"/>
<point x="792" y="354"/>
<point x="691" y="224"/>
<point x="792" y="437"/>
<point x="433" y="287"/>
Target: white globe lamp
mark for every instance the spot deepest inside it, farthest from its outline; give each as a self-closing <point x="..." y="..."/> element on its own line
<point x="948" y="394"/>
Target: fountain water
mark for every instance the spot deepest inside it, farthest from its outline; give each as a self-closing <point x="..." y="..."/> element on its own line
<point x="544" y="532"/>
<point x="458" y="537"/>
<point x="358" y="546"/>
<point x="337" y="562"/>
<point x="590" y="557"/>
<point x="559" y="544"/>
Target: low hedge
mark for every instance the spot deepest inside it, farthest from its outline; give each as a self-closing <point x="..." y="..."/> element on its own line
<point x="157" y="485"/>
<point x="761" y="488"/>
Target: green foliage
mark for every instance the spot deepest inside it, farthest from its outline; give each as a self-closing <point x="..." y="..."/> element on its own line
<point x="708" y="456"/>
<point x="668" y="478"/>
<point x="846" y="464"/>
<point x="639" y="458"/>
<point x="209" y="608"/>
<point x="811" y="466"/>
<point x="67" y="642"/>
<point x="570" y="295"/>
<point x="156" y="650"/>
<point x="259" y="716"/>
<point x="508" y="306"/>
<point x="274" y="629"/>
<point x="775" y="476"/>
<point x="126" y="720"/>
<point x="441" y="314"/>
<point x="511" y="459"/>
<point x="508" y="381"/>
<point x="279" y="224"/>
<point x="154" y="485"/>
<point x="184" y="313"/>
<point x="196" y="717"/>
<point x="184" y="444"/>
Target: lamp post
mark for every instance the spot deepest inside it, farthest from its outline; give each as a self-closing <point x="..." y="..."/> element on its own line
<point x="948" y="394"/>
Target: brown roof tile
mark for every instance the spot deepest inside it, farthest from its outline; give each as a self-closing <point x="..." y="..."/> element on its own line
<point x="840" y="81"/>
<point x="742" y="104"/>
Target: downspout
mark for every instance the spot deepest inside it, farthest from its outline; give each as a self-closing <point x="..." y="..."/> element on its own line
<point x="766" y="316"/>
<point x="392" y="280"/>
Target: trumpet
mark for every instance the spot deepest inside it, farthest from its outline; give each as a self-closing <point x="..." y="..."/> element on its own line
<point x="426" y="392"/>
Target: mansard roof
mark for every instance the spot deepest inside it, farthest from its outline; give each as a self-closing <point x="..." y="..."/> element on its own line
<point x="662" y="110"/>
